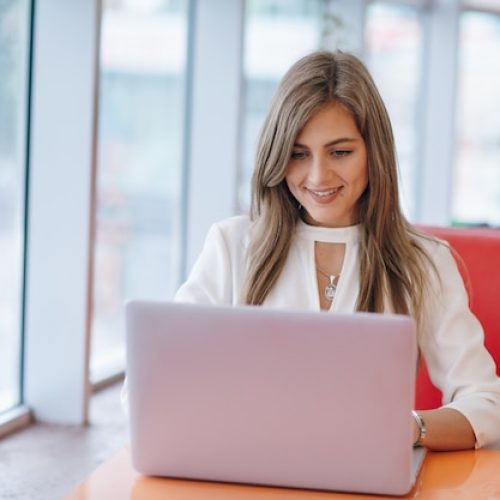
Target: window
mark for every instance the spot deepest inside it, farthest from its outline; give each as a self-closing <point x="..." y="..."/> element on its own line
<point x="14" y="50"/>
<point x="394" y="39"/>
<point x="476" y="189"/>
<point x="143" y="51"/>
<point x="277" y="33"/>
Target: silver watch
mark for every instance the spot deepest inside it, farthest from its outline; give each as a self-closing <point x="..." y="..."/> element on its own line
<point x="422" y="429"/>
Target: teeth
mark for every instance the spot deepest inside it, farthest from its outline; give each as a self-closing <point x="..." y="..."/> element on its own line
<point x="324" y="193"/>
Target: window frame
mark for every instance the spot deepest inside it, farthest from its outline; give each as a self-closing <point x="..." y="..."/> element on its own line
<point x="20" y="416"/>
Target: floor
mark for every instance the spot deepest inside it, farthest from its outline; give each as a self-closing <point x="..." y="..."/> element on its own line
<point x="45" y="462"/>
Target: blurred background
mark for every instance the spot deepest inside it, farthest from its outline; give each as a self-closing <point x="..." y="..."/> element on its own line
<point x="147" y="75"/>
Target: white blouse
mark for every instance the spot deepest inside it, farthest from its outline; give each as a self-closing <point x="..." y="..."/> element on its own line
<point x="451" y="340"/>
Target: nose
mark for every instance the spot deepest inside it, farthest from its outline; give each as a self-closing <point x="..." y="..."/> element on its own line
<point x="320" y="172"/>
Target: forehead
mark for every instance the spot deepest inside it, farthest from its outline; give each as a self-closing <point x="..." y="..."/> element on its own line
<point x="332" y="121"/>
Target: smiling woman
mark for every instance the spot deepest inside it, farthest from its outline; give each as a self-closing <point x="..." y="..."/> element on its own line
<point x="326" y="232"/>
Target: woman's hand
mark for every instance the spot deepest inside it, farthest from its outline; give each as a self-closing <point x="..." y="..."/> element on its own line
<point x="446" y="429"/>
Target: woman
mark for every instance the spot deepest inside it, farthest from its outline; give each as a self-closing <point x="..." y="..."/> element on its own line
<point x="326" y="232"/>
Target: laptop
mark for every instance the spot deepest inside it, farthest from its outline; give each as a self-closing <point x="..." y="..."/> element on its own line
<point x="293" y="399"/>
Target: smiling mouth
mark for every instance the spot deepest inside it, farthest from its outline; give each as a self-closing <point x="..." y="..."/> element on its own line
<point x="325" y="195"/>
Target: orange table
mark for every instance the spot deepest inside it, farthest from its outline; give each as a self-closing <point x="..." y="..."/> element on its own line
<point x="471" y="475"/>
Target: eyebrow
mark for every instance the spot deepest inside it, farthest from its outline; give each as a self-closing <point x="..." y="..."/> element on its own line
<point x="331" y="143"/>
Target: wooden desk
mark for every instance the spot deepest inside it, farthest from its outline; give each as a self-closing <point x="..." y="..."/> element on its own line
<point x="471" y="475"/>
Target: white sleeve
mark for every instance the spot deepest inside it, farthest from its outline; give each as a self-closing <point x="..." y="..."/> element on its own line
<point x="452" y="344"/>
<point x="210" y="280"/>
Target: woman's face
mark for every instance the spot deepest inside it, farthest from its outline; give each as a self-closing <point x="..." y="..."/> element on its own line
<point x="327" y="172"/>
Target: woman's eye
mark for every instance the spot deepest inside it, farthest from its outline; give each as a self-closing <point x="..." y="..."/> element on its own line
<point x="298" y="155"/>
<point x="341" y="152"/>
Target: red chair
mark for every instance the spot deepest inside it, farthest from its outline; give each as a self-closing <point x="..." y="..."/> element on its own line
<point x="479" y="250"/>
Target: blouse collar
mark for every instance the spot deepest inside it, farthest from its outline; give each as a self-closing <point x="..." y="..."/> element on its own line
<point x="349" y="234"/>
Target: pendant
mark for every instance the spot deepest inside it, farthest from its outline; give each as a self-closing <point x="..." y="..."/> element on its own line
<point x="330" y="289"/>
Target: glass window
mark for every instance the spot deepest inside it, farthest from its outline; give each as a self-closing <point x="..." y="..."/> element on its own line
<point x="14" y="49"/>
<point x="277" y="33"/>
<point x="476" y="188"/>
<point x="141" y="123"/>
<point x="393" y="46"/>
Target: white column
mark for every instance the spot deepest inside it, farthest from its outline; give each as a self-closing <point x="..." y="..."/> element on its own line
<point x="61" y="204"/>
<point x="214" y="134"/>
<point x="435" y="172"/>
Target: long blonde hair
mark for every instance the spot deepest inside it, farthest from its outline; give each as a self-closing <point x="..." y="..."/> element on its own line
<point x="391" y="258"/>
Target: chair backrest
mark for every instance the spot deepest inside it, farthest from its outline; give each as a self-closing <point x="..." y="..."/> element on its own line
<point x="479" y="253"/>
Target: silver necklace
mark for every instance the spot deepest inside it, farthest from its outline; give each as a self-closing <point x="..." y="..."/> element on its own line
<point x="331" y="288"/>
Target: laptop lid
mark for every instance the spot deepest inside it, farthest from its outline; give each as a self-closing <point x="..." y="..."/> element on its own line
<point x="245" y="394"/>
